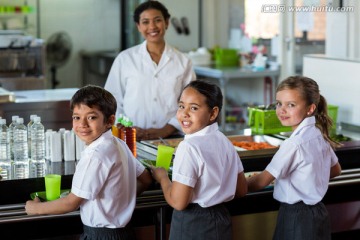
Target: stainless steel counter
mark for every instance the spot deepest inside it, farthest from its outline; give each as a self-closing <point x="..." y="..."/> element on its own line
<point x="152" y="209"/>
<point x="52" y="105"/>
<point x="46" y="95"/>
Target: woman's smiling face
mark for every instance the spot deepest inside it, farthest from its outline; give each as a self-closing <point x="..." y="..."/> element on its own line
<point x="152" y="25"/>
<point x="89" y="123"/>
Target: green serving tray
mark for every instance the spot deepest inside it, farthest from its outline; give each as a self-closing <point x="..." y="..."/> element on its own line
<point x="42" y="195"/>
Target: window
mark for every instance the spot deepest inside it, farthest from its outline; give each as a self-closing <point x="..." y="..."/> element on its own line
<point x="262" y="19"/>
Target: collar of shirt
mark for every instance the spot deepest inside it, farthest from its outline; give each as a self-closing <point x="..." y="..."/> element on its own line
<point x="309" y="121"/>
<point x="168" y="51"/>
<point x="206" y="130"/>
<point x="100" y="139"/>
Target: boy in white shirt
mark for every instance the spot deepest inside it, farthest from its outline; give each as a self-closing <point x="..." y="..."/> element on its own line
<point x="105" y="180"/>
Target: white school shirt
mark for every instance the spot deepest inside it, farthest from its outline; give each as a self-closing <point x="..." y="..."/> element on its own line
<point x="302" y="165"/>
<point x="148" y="93"/>
<point x="105" y="177"/>
<point x="208" y="162"/>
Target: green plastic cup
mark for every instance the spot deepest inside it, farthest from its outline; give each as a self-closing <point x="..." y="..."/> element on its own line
<point x="52" y="186"/>
<point x="164" y="156"/>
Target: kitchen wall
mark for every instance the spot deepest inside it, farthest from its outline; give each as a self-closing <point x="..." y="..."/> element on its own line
<point x="339" y="84"/>
<point x="92" y="25"/>
<point x="95" y="25"/>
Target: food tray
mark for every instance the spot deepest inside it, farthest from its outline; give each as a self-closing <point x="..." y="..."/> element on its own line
<point x="148" y="163"/>
<point x="265" y="122"/>
<point x="42" y="195"/>
<point x="174" y="142"/>
<point x="256" y="138"/>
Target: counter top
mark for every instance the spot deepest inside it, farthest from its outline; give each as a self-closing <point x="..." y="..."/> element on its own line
<point x="324" y="56"/>
<point x="45" y="95"/>
<point x="233" y="72"/>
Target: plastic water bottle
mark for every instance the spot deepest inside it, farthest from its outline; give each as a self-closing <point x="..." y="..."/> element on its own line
<point x="21" y="158"/>
<point x="5" y="161"/>
<point x="37" y="148"/>
<point x="29" y="132"/>
<point x="11" y="130"/>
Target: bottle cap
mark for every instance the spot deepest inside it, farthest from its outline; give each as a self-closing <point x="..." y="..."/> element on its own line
<point x="20" y="120"/>
<point x="32" y="116"/>
<point x="37" y="119"/>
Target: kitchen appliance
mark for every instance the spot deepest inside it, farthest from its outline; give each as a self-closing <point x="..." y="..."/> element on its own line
<point x="58" y="50"/>
<point x="21" y="61"/>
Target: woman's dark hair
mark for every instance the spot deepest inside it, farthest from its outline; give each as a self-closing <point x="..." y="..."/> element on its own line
<point x="151" y="5"/>
<point x="310" y="92"/>
<point x="95" y="96"/>
<point x="211" y="91"/>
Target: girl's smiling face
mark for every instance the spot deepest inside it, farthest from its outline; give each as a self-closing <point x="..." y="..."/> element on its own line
<point x="89" y="123"/>
<point x="193" y="113"/>
<point x="291" y="108"/>
<point x="152" y="25"/>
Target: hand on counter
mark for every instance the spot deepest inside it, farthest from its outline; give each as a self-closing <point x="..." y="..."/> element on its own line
<point x="66" y="204"/>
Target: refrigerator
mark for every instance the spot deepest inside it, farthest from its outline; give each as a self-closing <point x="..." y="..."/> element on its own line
<point x="184" y="32"/>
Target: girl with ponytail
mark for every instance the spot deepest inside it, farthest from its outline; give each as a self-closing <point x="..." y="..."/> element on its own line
<point x="303" y="164"/>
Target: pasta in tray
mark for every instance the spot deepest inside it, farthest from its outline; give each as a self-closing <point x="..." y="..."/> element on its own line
<point x="252" y="145"/>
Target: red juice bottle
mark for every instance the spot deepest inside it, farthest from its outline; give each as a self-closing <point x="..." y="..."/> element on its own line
<point x="129" y="133"/>
<point x="120" y="126"/>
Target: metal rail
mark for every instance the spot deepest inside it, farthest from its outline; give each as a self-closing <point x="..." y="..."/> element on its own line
<point x="149" y="199"/>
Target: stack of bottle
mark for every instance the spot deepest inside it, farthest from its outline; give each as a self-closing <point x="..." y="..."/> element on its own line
<point x="24" y="149"/>
<point x="5" y="161"/>
<point x="125" y="130"/>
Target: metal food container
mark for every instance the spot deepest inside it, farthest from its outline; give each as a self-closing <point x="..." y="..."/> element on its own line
<point x="276" y="142"/>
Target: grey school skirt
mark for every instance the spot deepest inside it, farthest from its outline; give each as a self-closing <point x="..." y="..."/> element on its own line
<point x="302" y="222"/>
<point x="92" y="233"/>
<point x="197" y="223"/>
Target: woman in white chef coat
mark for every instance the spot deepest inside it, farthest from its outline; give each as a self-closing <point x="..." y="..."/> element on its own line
<point x="147" y="79"/>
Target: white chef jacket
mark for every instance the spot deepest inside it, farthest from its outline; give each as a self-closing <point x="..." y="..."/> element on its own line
<point x="148" y="93"/>
<point x="105" y="177"/>
<point x="208" y="162"/>
<point x="302" y="165"/>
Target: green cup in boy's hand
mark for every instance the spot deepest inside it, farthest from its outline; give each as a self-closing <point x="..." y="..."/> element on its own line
<point x="164" y="156"/>
<point x="52" y="186"/>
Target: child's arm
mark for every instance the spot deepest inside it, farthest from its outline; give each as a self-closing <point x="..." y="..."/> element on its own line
<point x="177" y="195"/>
<point x="259" y="181"/>
<point x="60" y="206"/>
<point x="143" y="182"/>
<point x="335" y="170"/>
<point x="241" y="185"/>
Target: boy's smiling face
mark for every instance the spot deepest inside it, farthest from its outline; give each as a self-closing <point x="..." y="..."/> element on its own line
<point x="89" y="123"/>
